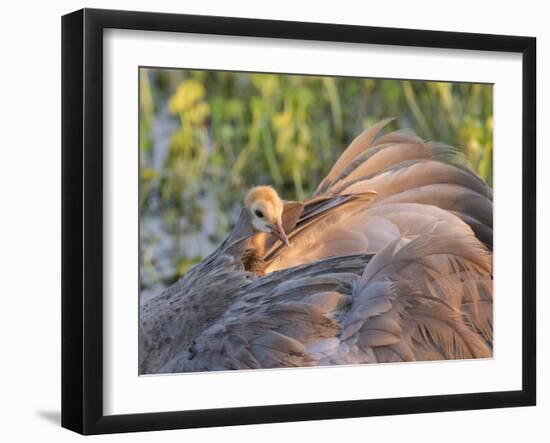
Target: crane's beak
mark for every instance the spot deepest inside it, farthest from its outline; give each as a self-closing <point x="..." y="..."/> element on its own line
<point x="278" y="231"/>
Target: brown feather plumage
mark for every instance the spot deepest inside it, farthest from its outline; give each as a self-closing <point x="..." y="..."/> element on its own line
<point x="390" y="261"/>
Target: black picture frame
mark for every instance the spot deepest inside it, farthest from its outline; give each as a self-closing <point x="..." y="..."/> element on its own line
<point x="82" y="220"/>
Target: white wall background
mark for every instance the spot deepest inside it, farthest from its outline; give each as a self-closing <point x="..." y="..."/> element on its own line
<point x="30" y="188"/>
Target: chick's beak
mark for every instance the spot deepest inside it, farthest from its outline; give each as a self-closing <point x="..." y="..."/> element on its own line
<point x="278" y="231"/>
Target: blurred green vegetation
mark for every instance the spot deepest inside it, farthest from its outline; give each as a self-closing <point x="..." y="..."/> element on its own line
<point x="206" y="137"/>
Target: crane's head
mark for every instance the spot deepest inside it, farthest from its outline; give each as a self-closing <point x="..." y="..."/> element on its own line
<point x="265" y="210"/>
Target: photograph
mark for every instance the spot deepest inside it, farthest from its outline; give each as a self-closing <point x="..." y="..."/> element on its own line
<point x="299" y="220"/>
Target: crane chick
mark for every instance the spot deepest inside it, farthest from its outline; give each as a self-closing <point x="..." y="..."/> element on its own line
<point x="265" y="210"/>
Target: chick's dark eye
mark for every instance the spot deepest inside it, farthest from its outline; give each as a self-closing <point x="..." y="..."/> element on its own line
<point x="259" y="213"/>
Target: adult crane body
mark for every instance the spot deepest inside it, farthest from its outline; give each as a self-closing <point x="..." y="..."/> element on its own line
<point x="390" y="260"/>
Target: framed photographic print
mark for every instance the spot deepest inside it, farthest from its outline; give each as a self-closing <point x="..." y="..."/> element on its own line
<point x="269" y="221"/>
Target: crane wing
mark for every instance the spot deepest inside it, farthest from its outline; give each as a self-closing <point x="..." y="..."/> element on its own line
<point x="424" y="296"/>
<point x="397" y="168"/>
<point x="285" y="319"/>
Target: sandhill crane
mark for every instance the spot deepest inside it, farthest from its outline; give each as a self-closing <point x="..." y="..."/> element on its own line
<point x="389" y="261"/>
